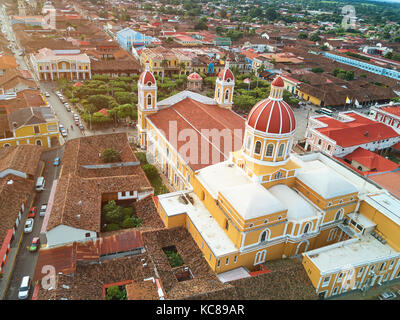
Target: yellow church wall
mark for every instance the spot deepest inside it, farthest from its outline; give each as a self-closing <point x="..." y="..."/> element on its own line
<point x="211" y="204"/>
<point x="384" y="225"/>
<point x="275" y="230"/>
<point x="313" y="272"/>
<point x="330" y="213"/>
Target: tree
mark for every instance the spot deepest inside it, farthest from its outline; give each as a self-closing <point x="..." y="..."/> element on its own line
<point x="124" y="111"/>
<point x="116" y="293"/>
<point x="182" y="67"/>
<point x="110" y="155"/>
<point x="317" y="70"/>
<point x="271" y="14"/>
<point x="315" y="37"/>
<point x="164" y="64"/>
<point x="112" y="213"/>
<point x="123" y="97"/>
<point x="201" y="25"/>
<point x="150" y="171"/>
<point x="302" y="35"/>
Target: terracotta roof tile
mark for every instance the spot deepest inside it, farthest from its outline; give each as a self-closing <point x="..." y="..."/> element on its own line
<point x="191" y="114"/>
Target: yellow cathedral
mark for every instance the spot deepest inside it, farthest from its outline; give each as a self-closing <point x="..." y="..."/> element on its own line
<point x="256" y="200"/>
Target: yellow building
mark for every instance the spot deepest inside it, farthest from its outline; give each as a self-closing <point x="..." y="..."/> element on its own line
<point x="56" y="64"/>
<point x="34" y="125"/>
<point x="169" y="61"/>
<point x="257" y="201"/>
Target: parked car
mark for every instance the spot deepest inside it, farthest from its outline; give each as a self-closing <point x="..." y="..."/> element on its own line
<point x="42" y="211"/>
<point x="47" y="94"/>
<point x="76" y="116"/>
<point x="387" y="295"/>
<point x="56" y="161"/>
<point x="81" y="126"/>
<point x="35" y="244"/>
<point x="61" y="127"/>
<point x="40" y="182"/>
<point x="68" y="108"/>
<point x="64" y="133"/>
<point x="23" y="290"/>
<point x="28" y="225"/>
<point x="32" y="212"/>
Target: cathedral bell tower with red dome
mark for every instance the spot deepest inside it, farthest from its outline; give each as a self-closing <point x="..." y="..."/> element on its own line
<point x="147" y="102"/>
<point x="224" y="87"/>
<point x="268" y="137"/>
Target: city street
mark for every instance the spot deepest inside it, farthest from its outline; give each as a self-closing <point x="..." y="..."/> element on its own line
<point x="25" y="262"/>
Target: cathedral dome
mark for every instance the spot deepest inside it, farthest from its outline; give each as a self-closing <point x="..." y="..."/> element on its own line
<point x="147" y="78"/>
<point x="225" y="75"/>
<point x="273" y="115"/>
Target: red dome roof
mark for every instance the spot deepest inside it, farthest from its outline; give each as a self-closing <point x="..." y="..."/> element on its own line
<point x="272" y="116"/>
<point x="194" y="76"/>
<point x="225" y="75"/>
<point x="147" y="77"/>
<point x="278" y="82"/>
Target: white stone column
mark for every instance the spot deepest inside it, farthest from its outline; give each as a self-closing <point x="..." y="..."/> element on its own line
<point x="48" y="142"/>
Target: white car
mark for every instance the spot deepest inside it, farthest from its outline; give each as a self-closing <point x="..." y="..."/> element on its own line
<point x="76" y="117"/>
<point x="64" y="132"/>
<point x="42" y="211"/>
<point x="28" y="225"/>
<point x="47" y="94"/>
<point x="23" y="291"/>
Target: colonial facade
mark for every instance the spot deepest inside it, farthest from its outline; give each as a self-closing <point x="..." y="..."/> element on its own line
<point x="34" y="125"/>
<point x="58" y="64"/>
<point x="258" y="201"/>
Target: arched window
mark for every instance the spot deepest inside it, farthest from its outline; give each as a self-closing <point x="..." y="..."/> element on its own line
<point x="39" y="142"/>
<point x="270" y="150"/>
<point x="264" y="236"/>
<point x="257" y="148"/>
<point x="218" y="92"/>
<point x="278" y="175"/>
<point x="226" y="95"/>
<point x="149" y="100"/>
<point x="281" y="148"/>
<point x="338" y="214"/>
<point x="6" y="145"/>
<point x="306" y="228"/>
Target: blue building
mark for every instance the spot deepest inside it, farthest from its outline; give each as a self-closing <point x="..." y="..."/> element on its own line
<point x="128" y="38"/>
<point x="364" y="66"/>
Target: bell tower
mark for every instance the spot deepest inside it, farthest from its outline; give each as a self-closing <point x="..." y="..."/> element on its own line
<point x="224" y="86"/>
<point x="147" y="102"/>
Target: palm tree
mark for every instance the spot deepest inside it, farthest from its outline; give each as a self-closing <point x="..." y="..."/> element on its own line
<point x="181" y="66"/>
<point x="259" y="70"/>
<point x="164" y="64"/>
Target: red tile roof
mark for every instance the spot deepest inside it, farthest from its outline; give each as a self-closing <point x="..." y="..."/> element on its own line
<point x="395" y="110"/>
<point x="359" y="131"/>
<point x="371" y="160"/>
<point x="191" y="114"/>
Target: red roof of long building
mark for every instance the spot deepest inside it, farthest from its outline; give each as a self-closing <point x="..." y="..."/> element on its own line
<point x="395" y="110"/>
<point x="197" y="117"/>
<point x="359" y="131"/>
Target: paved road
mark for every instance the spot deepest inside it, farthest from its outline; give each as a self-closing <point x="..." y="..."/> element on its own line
<point x="26" y="261"/>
